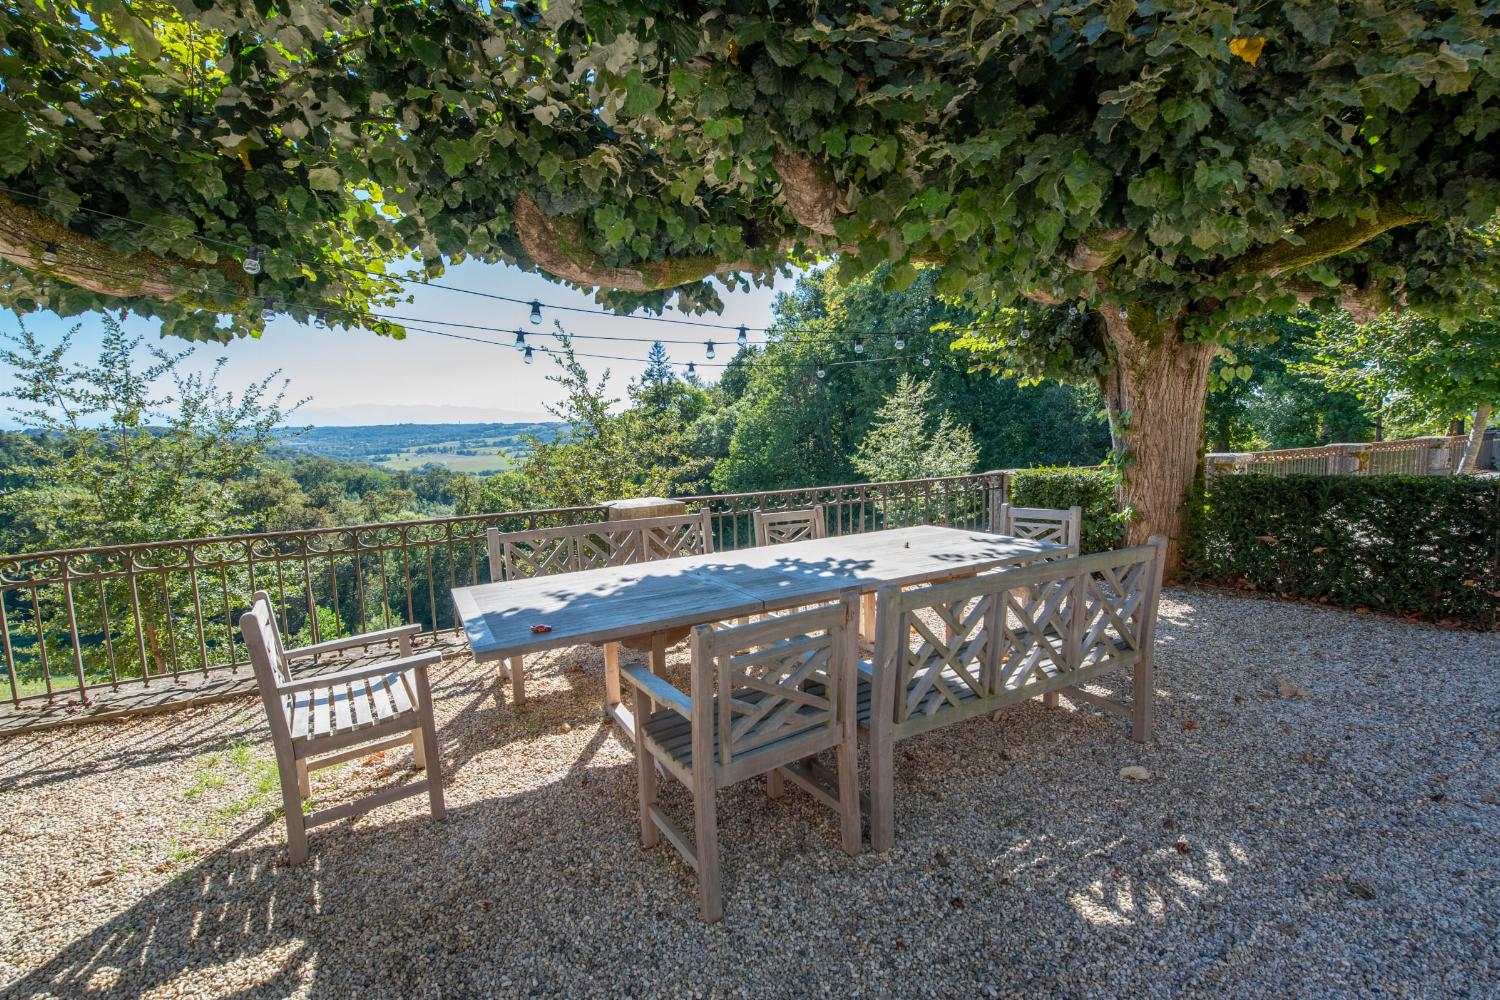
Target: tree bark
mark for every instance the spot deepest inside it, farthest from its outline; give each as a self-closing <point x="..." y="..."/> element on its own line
<point x="1155" y="392"/>
<point x="1476" y="439"/>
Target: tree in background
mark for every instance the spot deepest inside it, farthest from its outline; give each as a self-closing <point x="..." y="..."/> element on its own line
<point x="793" y="428"/>
<point x="1410" y="373"/>
<point x="1168" y="169"/>
<point x="906" y="442"/>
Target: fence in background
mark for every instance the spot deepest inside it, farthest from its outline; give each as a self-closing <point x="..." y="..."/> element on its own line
<point x="76" y="620"/>
<point x="1428" y="456"/>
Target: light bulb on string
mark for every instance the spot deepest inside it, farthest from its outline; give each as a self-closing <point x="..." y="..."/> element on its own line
<point x="49" y="255"/>
<point x="268" y="310"/>
<point x="710" y="352"/>
<point x="926" y="361"/>
<point x="251" y="263"/>
<point x="528" y="355"/>
<point x="536" y="312"/>
<point x="521" y="341"/>
<point x="321" y="319"/>
<point x="822" y="371"/>
<point x="692" y="368"/>
<point x="859" y="345"/>
<point x="900" y="342"/>
<point x="743" y="338"/>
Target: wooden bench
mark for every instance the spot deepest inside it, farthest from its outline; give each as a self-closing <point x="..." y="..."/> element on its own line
<point x="323" y="720"/>
<point x="957" y="650"/>
<point x="1042" y="524"/>
<point x="546" y="551"/>
<point x="765" y="698"/>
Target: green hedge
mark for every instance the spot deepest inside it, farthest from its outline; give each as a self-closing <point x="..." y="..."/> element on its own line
<point x="1060" y="487"/>
<point x="1414" y="545"/>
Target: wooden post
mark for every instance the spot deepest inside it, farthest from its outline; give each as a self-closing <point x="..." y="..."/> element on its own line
<point x="705" y="811"/>
<point x="888" y="646"/>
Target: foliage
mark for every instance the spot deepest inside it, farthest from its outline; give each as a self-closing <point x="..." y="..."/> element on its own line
<point x="1260" y="398"/>
<point x="795" y="429"/>
<point x="1413" y="545"/>
<point x="128" y="465"/>
<point x="1411" y="376"/>
<point x="1059" y="488"/>
<point x="904" y="441"/>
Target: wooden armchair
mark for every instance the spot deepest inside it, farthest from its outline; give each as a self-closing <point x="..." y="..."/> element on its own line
<point x="766" y="698"/>
<point x="575" y="547"/>
<point x="324" y="720"/>
<point x="1065" y="527"/>
<point x="778" y="526"/>
<point x="957" y="650"/>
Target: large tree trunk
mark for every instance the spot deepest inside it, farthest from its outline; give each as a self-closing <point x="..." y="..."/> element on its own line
<point x="1155" y="392"/>
<point x="1476" y="438"/>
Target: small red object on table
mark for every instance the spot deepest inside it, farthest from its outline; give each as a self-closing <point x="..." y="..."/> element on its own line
<point x="541" y="628"/>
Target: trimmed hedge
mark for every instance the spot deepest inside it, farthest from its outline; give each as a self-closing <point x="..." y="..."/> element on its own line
<point x="1060" y="487"/>
<point x="1411" y="545"/>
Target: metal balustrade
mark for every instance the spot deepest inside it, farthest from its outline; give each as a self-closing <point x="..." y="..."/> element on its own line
<point x="73" y="621"/>
<point x="1427" y="456"/>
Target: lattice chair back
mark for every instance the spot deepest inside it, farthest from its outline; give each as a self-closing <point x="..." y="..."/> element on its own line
<point x="960" y="648"/>
<point x="784" y="687"/>
<point x="545" y="551"/>
<point x="778" y="526"/>
<point x="1042" y="524"/>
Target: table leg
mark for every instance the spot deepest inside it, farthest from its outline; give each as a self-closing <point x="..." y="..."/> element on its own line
<point x="867" y="617"/>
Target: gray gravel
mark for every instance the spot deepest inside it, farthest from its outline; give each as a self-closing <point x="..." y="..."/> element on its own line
<point x="1321" y="821"/>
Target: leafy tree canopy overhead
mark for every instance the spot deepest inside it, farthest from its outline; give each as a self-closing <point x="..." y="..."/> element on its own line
<point x="1197" y="151"/>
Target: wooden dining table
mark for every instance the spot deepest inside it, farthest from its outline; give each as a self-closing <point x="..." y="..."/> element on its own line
<point x="657" y="600"/>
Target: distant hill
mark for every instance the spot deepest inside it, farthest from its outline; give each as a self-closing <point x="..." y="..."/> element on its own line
<point x="462" y="447"/>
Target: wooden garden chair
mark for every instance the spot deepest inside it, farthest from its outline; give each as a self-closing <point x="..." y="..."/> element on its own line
<point x="778" y="526"/>
<point x="320" y="721"/>
<point x="962" y="649"/>
<point x="765" y="698"/>
<point x="574" y="547"/>
<point x="1065" y="527"/>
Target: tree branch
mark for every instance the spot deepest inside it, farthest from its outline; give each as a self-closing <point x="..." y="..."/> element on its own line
<point x="25" y="235"/>
<point x="1324" y="239"/>
<point x="1364" y="304"/>
<point x="1098" y="248"/>
<point x="556" y="244"/>
<point x="807" y="186"/>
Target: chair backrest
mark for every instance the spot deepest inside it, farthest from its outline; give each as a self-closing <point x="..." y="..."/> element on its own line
<point x="1065" y="527"/>
<point x="545" y="551"/>
<point x="777" y="526"/>
<point x="784" y="687"/>
<point x="268" y="658"/>
<point x="952" y="648"/>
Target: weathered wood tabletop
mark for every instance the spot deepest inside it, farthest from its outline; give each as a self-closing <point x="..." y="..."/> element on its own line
<point x="621" y="602"/>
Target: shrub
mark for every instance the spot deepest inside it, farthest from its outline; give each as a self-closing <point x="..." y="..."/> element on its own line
<point x="1060" y="487"/>
<point x="1414" y="545"/>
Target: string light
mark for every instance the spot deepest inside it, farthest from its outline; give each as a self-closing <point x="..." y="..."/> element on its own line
<point x="268" y="309"/>
<point x="251" y="263"/>
<point x="859" y="345"/>
<point x="536" y="312"/>
<point x="710" y="352"/>
<point x="822" y="371"/>
<point x="743" y="338"/>
<point x="321" y="319"/>
<point x="692" y="368"/>
<point x="900" y="342"/>
<point x="926" y="360"/>
<point x="521" y="341"/>
<point x="528" y="355"/>
<point x="49" y="255"/>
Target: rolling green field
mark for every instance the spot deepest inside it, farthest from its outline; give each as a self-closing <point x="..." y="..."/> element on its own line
<point x="473" y="449"/>
<point x="496" y="461"/>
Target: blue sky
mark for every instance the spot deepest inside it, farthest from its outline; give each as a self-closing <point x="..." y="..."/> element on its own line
<point x="356" y="377"/>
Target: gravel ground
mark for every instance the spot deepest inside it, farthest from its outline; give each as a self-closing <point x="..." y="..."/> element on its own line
<point x="1321" y="821"/>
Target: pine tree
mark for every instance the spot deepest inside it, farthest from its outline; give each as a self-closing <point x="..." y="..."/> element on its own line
<point x="902" y="442"/>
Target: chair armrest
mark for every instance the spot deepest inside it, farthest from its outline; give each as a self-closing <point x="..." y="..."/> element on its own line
<point x="420" y="662"/>
<point x="658" y="689"/>
<point x="364" y="639"/>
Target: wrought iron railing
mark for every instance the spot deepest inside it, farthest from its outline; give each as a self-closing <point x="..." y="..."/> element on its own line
<point x="73" y="621"/>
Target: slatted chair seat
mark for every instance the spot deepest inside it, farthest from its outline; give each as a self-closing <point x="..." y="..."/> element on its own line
<point x="766" y="698"/>
<point x="957" y="650"/>
<point x="317" y="722"/>
<point x="674" y="735"/>
<point x="572" y="548"/>
<point x="351" y="706"/>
